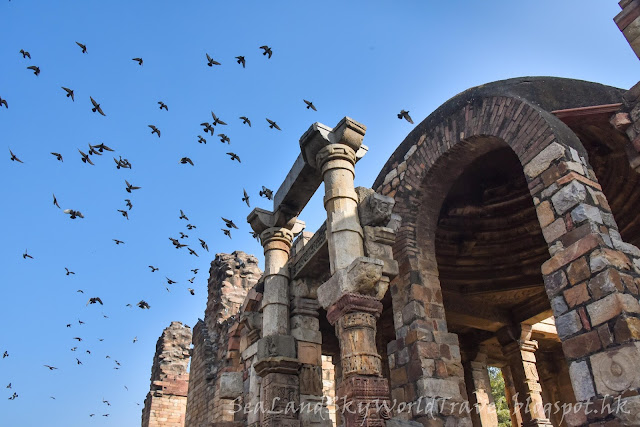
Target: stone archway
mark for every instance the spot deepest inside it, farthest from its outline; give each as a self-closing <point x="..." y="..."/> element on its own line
<point x="591" y="285"/>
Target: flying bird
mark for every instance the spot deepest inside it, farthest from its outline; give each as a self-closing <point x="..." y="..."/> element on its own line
<point x="69" y="271"/>
<point x="139" y="60"/>
<point x="153" y="269"/>
<point x="226" y="232"/>
<point x="124" y="213"/>
<point x="69" y="93"/>
<point x="255" y="235"/>
<point x="130" y="187"/>
<point x="195" y="270"/>
<point x="241" y="60"/>
<point x="101" y="147"/>
<point x="273" y="124"/>
<point x="229" y="223"/>
<point x="25" y="255"/>
<point x="267" y="50"/>
<point x="192" y="279"/>
<point x="265" y="192"/>
<point x="207" y="128"/>
<point x="25" y="54"/>
<point x="183" y="236"/>
<point x="36" y="70"/>
<point x="96" y="107"/>
<point x="216" y="120"/>
<point x="58" y="156"/>
<point x="73" y="214"/>
<point x="190" y="226"/>
<point x="234" y="156"/>
<point x="94" y="300"/>
<point x="191" y="291"/>
<point x="163" y="105"/>
<point x="85" y="157"/>
<point x="245" y="198"/>
<point x="405" y="115"/>
<point x="154" y="130"/>
<point x="143" y="304"/>
<point x="4" y="101"/>
<point x="14" y="158"/>
<point x="78" y="361"/>
<point x="310" y="105"/>
<point x="224" y="138"/>
<point x="13" y="396"/>
<point x="5" y="354"/>
<point x="245" y="120"/>
<point x="183" y="216"/>
<point x="117" y="241"/>
<point x="51" y="368"/>
<point x="186" y="160"/>
<point x="129" y="204"/>
<point x="93" y="151"/>
<point x="83" y="47"/>
<point x="192" y="252"/>
<point x="205" y="247"/>
<point x="211" y="62"/>
<point x="55" y="202"/>
<point x="201" y="140"/>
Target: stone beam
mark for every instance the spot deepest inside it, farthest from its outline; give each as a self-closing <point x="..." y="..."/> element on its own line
<point x="461" y="311"/>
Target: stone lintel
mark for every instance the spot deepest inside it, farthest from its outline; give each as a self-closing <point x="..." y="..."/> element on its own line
<point x="279" y="365"/>
<point x="312" y="257"/>
<point x="353" y="302"/>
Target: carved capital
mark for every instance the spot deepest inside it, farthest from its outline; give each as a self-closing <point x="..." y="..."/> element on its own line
<point x="373" y="208"/>
<point x="261" y="219"/>
<point x="276" y="234"/>
<point x="348" y="133"/>
<point x="336" y="152"/>
<point x="349" y="303"/>
<point x="363" y="276"/>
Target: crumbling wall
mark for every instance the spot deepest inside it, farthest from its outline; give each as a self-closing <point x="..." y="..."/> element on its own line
<point x="166" y="401"/>
<point x="216" y="373"/>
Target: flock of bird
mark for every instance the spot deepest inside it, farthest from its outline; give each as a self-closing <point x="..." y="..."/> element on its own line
<point x="95" y="151"/>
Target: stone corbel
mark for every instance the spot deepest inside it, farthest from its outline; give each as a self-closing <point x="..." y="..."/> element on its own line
<point x="348" y="132"/>
<point x="261" y="220"/>
<point x="363" y="276"/>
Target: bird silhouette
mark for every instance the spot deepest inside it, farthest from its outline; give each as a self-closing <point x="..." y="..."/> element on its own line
<point x="163" y="105"/>
<point x="13" y="396"/>
<point x="36" y="70"/>
<point x="310" y="105"/>
<point x="192" y="279"/>
<point x="58" y="156"/>
<point x="154" y="130"/>
<point x="183" y="236"/>
<point x="4" y="101"/>
<point x="153" y="269"/>
<point x="405" y="115"/>
<point x="94" y="300"/>
<point x="205" y="247"/>
<point x="229" y="223"/>
<point x="245" y="198"/>
<point x="130" y="187"/>
<point x="101" y="147"/>
<point x="25" y="54"/>
<point x="192" y="252"/>
<point x="265" y="192"/>
<point x="9" y="386"/>
<point x="78" y="361"/>
<point x="211" y="62"/>
<point x="186" y="160"/>
<point x="190" y="226"/>
<point x="118" y="241"/>
<point x="14" y="158"/>
<point x="25" y="255"/>
<point x="207" y="128"/>
<point x="83" y="47"/>
<point x="267" y="50"/>
<point x="129" y="204"/>
<point x="5" y="354"/>
<point x="216" y="120"/>
<point x="96" y="106"/>
<point x="195" y="270"/>
<point x="139" y="60"/>
<point x="273" y="124"/>
<point x="68" y="271"/>
<point x="191" y="291"/>
<point x="143" y="305"/>
<point x="201" y="140"/>
<point x="224" y="138"/>
<point x="51" y="368"/>
<point x="169" y="281"/>
<point x="240" y="60"/>
<point x="122" y="163"/>
<point x="245" y="121"/>
<point x="69" y="93"/>
<point x="73" y="214"/>
<point x="124" y="213"/>
<point x="183" y="215"/>
<point x="226" y="232"/>
<point x="93" y="151"/>
<point x="234" y="156"/>
<point x="85" y="157"/>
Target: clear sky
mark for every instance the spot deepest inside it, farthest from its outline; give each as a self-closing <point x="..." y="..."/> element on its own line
<point x="364" y="59"/>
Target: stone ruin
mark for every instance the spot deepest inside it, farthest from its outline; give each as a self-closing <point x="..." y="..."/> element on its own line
<point x="503" y="232"/>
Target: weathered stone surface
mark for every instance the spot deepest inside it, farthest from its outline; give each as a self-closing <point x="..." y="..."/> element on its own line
<point x="277" y="346"/>
<point x="569" y="196"/>
<point x="543" y="160"/>
<point x="606" y="257"/>
<point x="394" y="422"/>
<point x="362" y="276"/>
<point x="609" y="307"/>
<point x="555" y="230"/>
<point x="373" y="209"/>
<point x="231" y="385"/>
<point x="581" y="380"/>
<point x="568" y="324"/>
<point x="616" y="370"/>
<point x="584" y="212"/>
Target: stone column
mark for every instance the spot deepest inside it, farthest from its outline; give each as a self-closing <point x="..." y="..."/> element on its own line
<point x="519" y="350"/>
<point x="478" y="384"/>
<point x="510" y="394"/>
<point x="352" y="295"/>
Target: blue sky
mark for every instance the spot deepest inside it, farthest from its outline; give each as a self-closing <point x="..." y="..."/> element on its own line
<point x="364" y="59"/>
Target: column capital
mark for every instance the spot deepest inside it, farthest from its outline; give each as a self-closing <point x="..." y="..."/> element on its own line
<point x="347" y="132"/>
<point x="261" y="220"/>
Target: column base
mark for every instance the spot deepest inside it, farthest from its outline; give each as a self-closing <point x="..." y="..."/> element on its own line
<point x="364" y="401"/>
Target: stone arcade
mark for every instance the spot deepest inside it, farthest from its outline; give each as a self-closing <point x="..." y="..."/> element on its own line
<point x="502" y="232"/>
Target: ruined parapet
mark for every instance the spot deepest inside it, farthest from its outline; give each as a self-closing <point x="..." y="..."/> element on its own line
<point x="216" y="371"/>
<point x="166" y="401"/>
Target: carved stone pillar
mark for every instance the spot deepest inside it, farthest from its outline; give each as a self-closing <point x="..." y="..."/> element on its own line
<point x="519" y="350"/>
<point x="478" y="384"/>
<point x="510" y="394"/>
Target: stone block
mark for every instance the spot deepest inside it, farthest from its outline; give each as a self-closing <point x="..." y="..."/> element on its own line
<point x="576" y="295"/>
<point x="543" y="160"/>
<point x="584" y="212"/>
<point x="605" y="283"/>
<point x="610" y="306"/>
<point x="569" y="196"/>
<point x="581" y="345"/>
<point x="616" y="370"/>
<point x="581" y="380"/>
<point x="277" y="346"/>
<point x="395" y="422"/>
<point x="374" y="209"/>
<point x="568" y="324"/>
<point x="627" y="329"/>
<point x="362" y="276"/>
<point x="545" y="213"/>
<point x="438" y="387"/>
<point x="555" y="282"/>
<point x="578" y="271"/>
<point x="554" y="231"/>
<point x="571" y="253"/>
<point x="231" y="385"/>
<point x="603" y="258"/>
<point x="559" y="306"/>
<point x="309" y="335"/>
